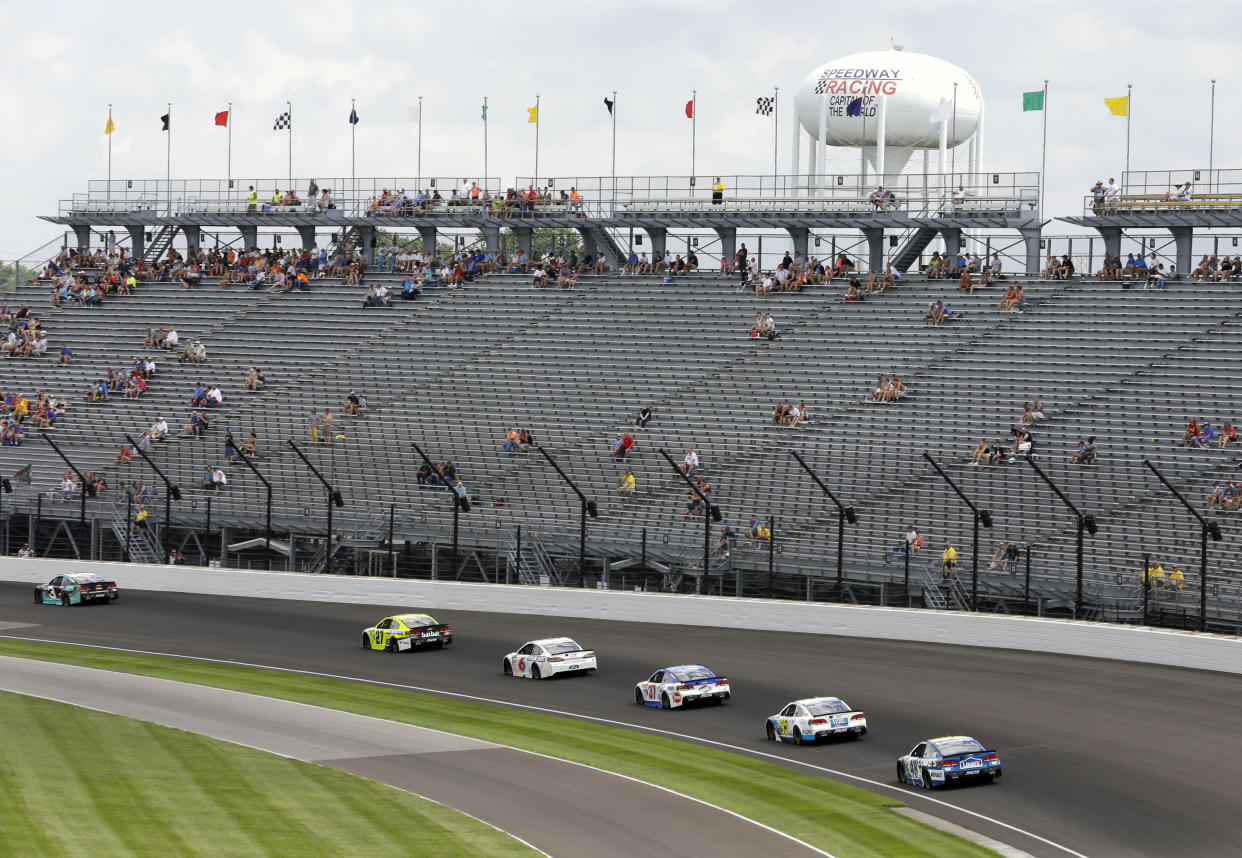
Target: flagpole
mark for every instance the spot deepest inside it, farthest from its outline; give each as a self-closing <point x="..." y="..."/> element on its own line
<point x="485" y="144"/>
<point x="536" y="138"/>
<point x="109" y="148"/>
<point x="229" y="167"/>
<point x="1212" y="133"/>
<point x="776" y="124"/>
<point x="353" y="148"/>
<point x="1043" y="160"/>
<point x="694" y="119"/>
<point x="1129" y="110"/>
<point x="614" y="147"/>
<point x="420" y="139"/>
<point x="168" y="160"/>
<point x="289" y="105"/>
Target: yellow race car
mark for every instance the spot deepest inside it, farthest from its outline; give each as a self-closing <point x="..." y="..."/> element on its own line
<point x="405" y="632"/>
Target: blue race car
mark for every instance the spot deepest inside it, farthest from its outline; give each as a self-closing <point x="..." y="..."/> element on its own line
<point x="76" y="589"/>
<point x="949" y="759"/>
<point x="685" y="684"/>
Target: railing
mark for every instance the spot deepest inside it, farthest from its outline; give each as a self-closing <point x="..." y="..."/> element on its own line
<point x="943" y="205"/>
<point x="1162" y="181"/>
<point x="1167" y="202"/>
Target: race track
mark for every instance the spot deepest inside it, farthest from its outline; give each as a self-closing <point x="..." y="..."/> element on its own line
<point x="1102" y="758"/>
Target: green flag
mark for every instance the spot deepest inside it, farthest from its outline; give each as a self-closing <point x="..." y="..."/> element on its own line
<point x="1033" y="100"/>
<point x="485" y="113"/>
<point x="24" y="476"/>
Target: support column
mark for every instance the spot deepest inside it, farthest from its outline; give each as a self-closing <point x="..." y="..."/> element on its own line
<point x="1183" y="238"/>
<point x="83" y="236"/>
<point x="525" y="235"/>
<point x="366" y="241"/>
<point x="953" y="241"/>
<point x="250" y="236"/>
<point x="137" y="241"/>
<point x="1034" y="257"/>
<point x="193" y="238"/>
<point x="800" y="236"/>
<point x="658" y="236"/>
<point x="1112" y="239"/>
<point x="728" y="238"/>
<point x="428" y="235"/>
<point x="588" y="241"/>
<point x="307" y="236"/>
<point x="875" y="248"/>
<point x="822" y="143"/>
<point x="880" y="143"/>
<point x="795" y="137"/>
<point x="491" y="237"/>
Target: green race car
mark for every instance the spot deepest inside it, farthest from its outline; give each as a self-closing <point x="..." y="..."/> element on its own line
<point x="76" y="589"/>
<point x="406" y="632"/>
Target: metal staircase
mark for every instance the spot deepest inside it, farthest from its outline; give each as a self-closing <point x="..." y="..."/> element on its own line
<point x="933" y="596"/>
<point x="909" y="252"/>
<point x="160" y="244"/>
<point x="606" y="245"/>
<point x="141" y="549"/>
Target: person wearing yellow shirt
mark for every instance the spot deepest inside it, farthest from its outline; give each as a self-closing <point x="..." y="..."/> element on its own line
<point x="1154" y="574"/>
<point x="252" y="201"/>
<point x="948" y="559"/>
<point x="1177" y="578"/>
<point x="626" y="488"/>
<point x="717" y="191"/>
<point x="21" y="408"/>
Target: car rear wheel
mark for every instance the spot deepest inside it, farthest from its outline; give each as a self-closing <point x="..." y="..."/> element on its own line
<point x="535" y="673"/>
<point x="901" y="773"/>
<point x="665" y="702"/>
<point x="771" y="733"/>
<point x="796" y="732"/>
<point x="989" y="778"/>
<point x="925" y="779"/>
<point x="391" y="646"/>
<point x="64" y="599"/>
<point x="38" y="596"/>
<point x="638" y="696"/>
<point x="508" y="668"/>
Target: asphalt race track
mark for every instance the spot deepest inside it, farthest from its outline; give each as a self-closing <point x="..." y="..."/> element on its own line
<point x="1102" y="758"/>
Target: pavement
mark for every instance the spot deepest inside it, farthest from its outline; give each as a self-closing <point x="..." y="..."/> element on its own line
<point x="1102" y="758"/>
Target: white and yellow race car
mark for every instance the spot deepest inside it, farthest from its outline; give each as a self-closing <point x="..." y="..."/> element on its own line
<point x="405" y="632"/>
<point x="815" y="718"/>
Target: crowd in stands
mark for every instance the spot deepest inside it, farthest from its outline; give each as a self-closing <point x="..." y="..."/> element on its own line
<point x="789" y="415"/>
<point x="1201" y="434"/>
<point x="401" y="203"/>
<point x="887" y="390"/>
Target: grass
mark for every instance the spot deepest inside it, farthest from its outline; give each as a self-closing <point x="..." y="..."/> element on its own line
<point x="142" y="789"/>
<point x="841" y="819"/>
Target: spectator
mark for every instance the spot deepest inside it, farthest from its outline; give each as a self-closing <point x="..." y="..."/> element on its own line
<point x="511" y="441"/>
<point x="526" y="439"/>
<point x="626" y="487"/>
<point x="1215" y="498"/>
<point x="1086" y="452"/>
<point x="1191" y="435"/>
<point x="325" y="426"/>
<point x="25" y="551"/>
<point x="254" y="379"/>
<point x="725" y="542"/>
<point x="1207" y="434"/>
<point x="948" y="559"/>
<point x="914" y="540"/>
<point x="1112" y="197"/>
<point x="1023" y="442"/>
<point x="980" y="455"/>
<point x="718" y="189"/>
<point x="312" y="426"/>
<point x="353" y="404"/>
<point x="252" y="445"/>
<point x="690" y="462"/>
<point x="1097" y="197"/>
<point x="1153" y="575"/>
<point x="66" y="355"/>
<point x="1177" y="578"/>
<point x="125" y="456"/>
<point x="1227" y="436"/>
<point x="158" y="429"/>
<point x="996" y="455"/>
<point x="694" y="504"/>
<point x="644" y="416"/>
<point x="460" y="493"/>
<point x="759" y="531"/>
<point x="796" y="414"/>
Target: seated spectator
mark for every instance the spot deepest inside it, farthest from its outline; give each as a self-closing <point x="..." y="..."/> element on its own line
<point x="980" y="455"/>
<point x="725" y="542"/>
<point x="1216" y="496"/>
<point x="996" y="455"/>
<point x="354" y="404"/>
<point x="198" y="422"/>
<point x="510" y="444"/>
<point x="759" y="531"/>
<point x="1158" y="276"/>
<point x="625" y="443"/>
<point x="1086" y="452"/>
<point x="853" y="291"/>
<point x="254" y="379"/>
<point x="948" y="559"/>
<point x="796" y="414"/>
<point x="158" y="429"/>
<point x="626" y="487"/>
<point x="125" y="456"/>
<point x="690" y="462"/>
<point x="1191" y="434"/>
<point x="1207" y="435"/>
<point x="66" y="355"/>
<point x="935" y="314"/>
<point x="1153" y="575"/>
<point x="779" y="413"/>
<point x="644" y="416"/>
<point x="1226" y="436"/>
<point x="1023" y="442"/>
<point x="251" y="447"/>
<point x="425" y="475"/>
<point x="694" y="503"/>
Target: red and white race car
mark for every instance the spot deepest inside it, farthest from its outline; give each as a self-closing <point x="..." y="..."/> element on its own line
<point x="545" y="658"/>
<point x="671" y="687"/>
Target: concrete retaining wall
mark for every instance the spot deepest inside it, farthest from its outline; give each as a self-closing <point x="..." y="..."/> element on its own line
<point x="1100" y="640"/>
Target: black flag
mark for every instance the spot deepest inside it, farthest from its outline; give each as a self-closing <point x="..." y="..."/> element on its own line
<point x="608" y="102"/>
<point x="164" y="119"/>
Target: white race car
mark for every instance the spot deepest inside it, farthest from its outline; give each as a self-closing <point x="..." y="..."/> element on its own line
<point x="546" y="658"/>
<point x="816" y="718"/>
<point x="677" y="686"/>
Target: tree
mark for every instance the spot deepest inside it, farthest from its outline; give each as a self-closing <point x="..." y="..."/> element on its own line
<point x="6" y="276"/>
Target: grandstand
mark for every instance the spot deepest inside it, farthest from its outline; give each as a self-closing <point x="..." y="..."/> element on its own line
<point x="453" y="370"/>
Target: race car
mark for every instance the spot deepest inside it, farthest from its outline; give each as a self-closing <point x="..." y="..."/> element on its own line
<point x="939" y="762"/>
<point x="815" y="718"/>
<point x="678" y="686"/>
<point x="406" y="632"/>
<point x="546" y="658"/>
<point x="77" y="588"/>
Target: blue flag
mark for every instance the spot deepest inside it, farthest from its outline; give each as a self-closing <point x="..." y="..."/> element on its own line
<point x="353" y="116"/>
<point x="854" y="108"/>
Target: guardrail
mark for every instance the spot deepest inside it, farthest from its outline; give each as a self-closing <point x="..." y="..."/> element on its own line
<point x="1169" y="202"/>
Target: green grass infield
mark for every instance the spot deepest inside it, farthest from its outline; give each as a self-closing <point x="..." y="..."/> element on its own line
<point x="846" y="821"/>
<point x="141" y="789"/>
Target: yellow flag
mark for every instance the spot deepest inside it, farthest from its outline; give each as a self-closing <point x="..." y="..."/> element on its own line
<point x="109" y="128"/>
<point x="534" y="114"/>
<point x="1118" y="106"/>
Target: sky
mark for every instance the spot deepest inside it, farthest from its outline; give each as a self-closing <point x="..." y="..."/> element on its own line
<point x="65" y="62"/>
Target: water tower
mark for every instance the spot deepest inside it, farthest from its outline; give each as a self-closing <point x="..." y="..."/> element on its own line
<point x="885" y="105"/>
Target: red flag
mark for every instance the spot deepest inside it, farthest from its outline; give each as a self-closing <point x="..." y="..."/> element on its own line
<point x="222" y="118"/>
<point x="690" y="109"/>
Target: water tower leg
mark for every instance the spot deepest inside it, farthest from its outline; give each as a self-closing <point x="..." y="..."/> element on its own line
<point x="952" y="241"/>
<point x="880" y="133"/>
<point x="728" y="240"/>
<point x="800" y="236"/>
<point x="875" y="248"/>
<point x="796" y="138"/>
<point x="1183" y="238"/>
<point x="1031" y="236"/>
<point x="822" y="143"/>
<point x="812" y="167"/>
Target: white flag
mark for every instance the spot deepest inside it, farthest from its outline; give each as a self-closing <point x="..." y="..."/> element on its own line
<point x="943" y="112"/>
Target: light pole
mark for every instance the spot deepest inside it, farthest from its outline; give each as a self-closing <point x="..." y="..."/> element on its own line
<point x="588" y="508"/>
<point x="1206" y="528"/>
<point x="171" y="493"/>
<point x="710" y="511"/>
<point x="267" y="524"/>
<point x="334" y="499"/>
<point x="844" y="514"/>
<point x="1085" y="523"/>
<point x="981" y="516"/>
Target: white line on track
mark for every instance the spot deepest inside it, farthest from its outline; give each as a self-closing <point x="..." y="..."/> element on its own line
<point x="904" y="793"/>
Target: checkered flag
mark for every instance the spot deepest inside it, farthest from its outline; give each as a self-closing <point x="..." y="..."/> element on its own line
<point x="763" y="105"/>
<point x="283" y="121"/>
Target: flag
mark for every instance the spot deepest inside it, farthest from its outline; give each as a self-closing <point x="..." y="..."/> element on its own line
<point x="353" y="116"/>
<point x="1118" y="106"/>
<point x="1033" y="100"/>
<point x="24" y="476"/>
<point x="110" y="127"/>
<point x="763" y="105"/>
<point x="942" y="112"/>
<point x="222" y="118"/>
<point x="165" y="119"/>
<point x="411" y="113"/>
<point x="854" y="108"/>
<point x="690" y="109"/>
<point x="283" y="121"/>
<point x="534" y="115"/>
<point x="485" y="113"/>
<point x="608" y="102"/>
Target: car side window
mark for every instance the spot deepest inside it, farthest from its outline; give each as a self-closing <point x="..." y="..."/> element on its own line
<point x="918" y="751"/>
<point x="537" y="650"/>
<point x="931" y="753"/>
<point x="800" y="712"/>
<point x="527" y="650"/>
<point x="658" y="676"/>
<point x="789" y="710"/>
<point x="383" y="624"/>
